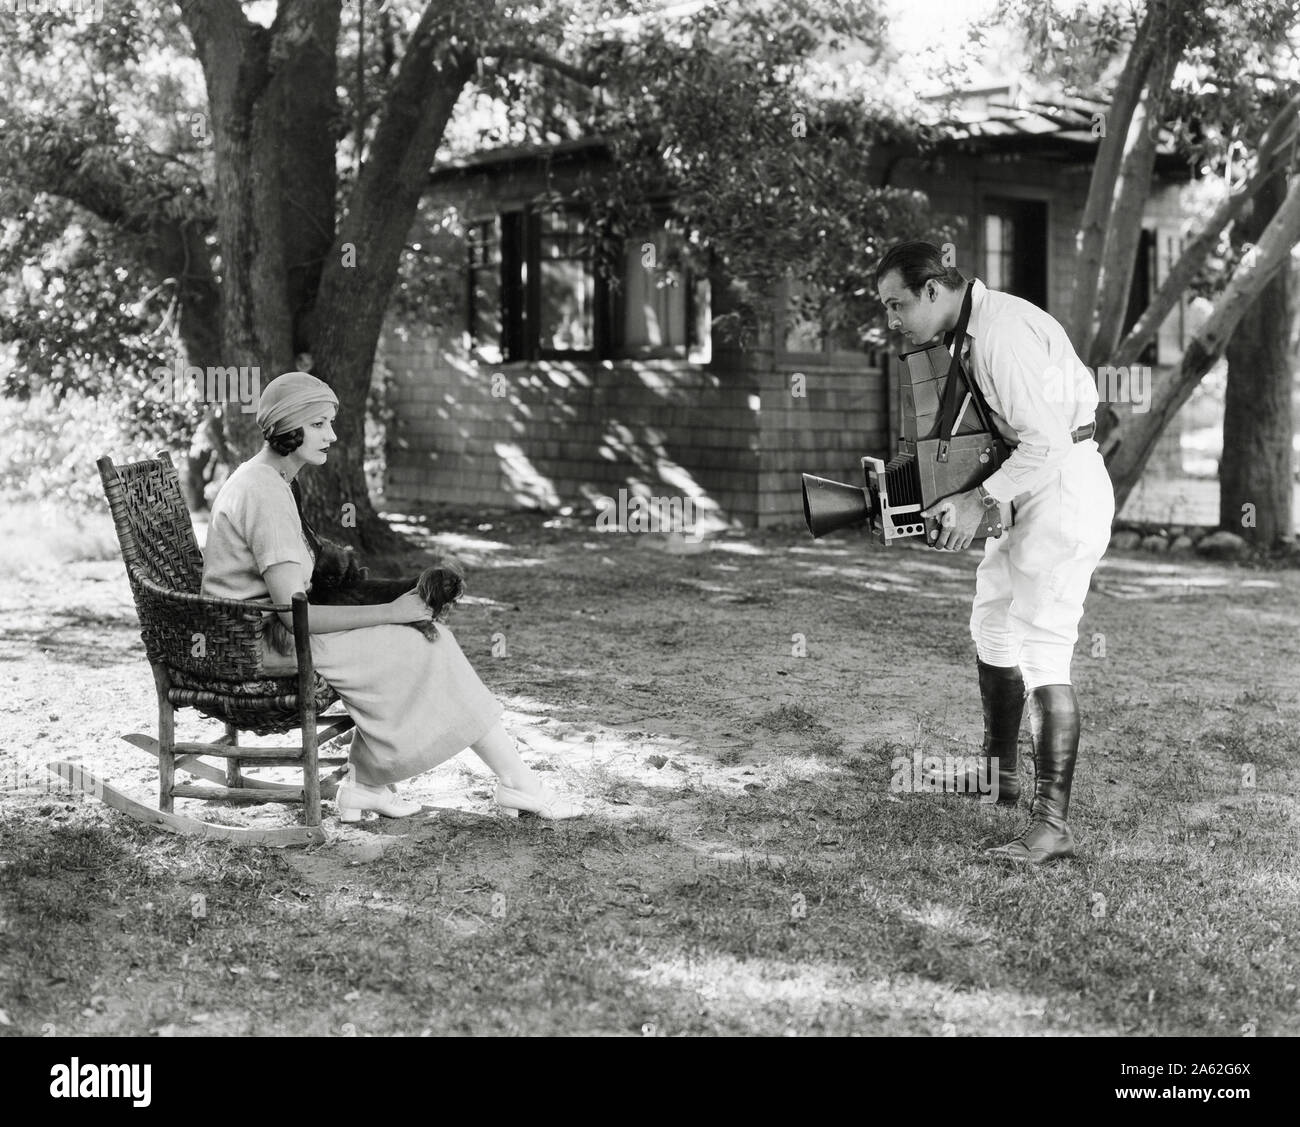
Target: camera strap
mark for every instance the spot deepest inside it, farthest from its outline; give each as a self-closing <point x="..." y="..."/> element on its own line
<point x="959" y="380"/>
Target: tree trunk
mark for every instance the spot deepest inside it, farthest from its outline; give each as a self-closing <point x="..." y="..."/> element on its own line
<point x="361" y="267"/>
<point x="1105" y="171"/>
<point x="271" y="93"/>
<point x="1255" y="476"/>
<point x="1135" y="434"/>
<point x="294" y="279"/>
<point x="1132" y="187"/>
<point x="1273" y="148"/>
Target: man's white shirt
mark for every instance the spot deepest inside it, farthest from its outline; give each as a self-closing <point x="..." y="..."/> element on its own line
<point x="1036" y="385"/>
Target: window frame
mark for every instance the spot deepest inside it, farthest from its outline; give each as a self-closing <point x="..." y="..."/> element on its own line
<point x="477" y="346"/>
<point x="1010" y="202"/>
<point x="520" y="231"/>
<point x="534" y="221"/>
<point x="693" y="349"/>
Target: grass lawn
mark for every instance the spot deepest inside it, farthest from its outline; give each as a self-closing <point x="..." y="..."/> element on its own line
<point x="732" y="717"/>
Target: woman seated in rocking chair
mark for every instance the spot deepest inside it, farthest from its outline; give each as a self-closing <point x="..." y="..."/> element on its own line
<point x="416" y="701"/>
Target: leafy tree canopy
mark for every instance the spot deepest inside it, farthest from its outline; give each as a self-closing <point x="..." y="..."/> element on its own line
<point x="758" y="119"/>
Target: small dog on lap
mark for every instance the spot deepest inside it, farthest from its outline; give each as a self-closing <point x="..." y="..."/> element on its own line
<point x="337" y="580"/>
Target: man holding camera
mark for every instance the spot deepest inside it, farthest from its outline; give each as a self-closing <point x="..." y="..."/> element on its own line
<point x="1031" y="584"/>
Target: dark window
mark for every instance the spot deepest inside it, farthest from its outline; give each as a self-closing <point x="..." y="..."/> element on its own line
<point x="533" y="288"/>
<point x="485" y="288"/>
<point x="535" y="293"/>
<point x="1140" y="292"/>
<point x="1015" y="248"/>
<point x="514" y="278"/>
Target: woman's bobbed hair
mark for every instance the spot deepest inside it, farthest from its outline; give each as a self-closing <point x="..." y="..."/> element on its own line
<point x="287" y="442"/>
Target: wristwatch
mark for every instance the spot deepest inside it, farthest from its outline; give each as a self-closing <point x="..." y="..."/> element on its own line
<point x="986" y="499"/>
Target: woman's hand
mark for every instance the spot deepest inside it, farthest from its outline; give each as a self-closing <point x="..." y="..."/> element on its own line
<point x="410" y="608"/>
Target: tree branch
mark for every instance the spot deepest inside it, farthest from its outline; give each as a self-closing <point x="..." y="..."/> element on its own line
<point x="354" y="287"/>
<point x="1132" y="186"/>
<point x="130" y="194"/>
<point x="1128" y="449"/>
<point x="581" y="75"/>
<point x="1105" y="171"/>
<point x="212" y="24"/>
<point x="1273" y="148"/>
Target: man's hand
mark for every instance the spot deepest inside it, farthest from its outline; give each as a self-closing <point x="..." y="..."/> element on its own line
<point x="960" y="515"/>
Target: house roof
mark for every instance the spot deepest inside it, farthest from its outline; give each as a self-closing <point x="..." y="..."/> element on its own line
<point x="1063" y="126"/>
<point x="518" y="154"/>
<point x="1059" y="128"/>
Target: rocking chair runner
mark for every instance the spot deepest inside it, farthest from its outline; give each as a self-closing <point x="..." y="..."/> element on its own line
<point x="206" y="655"/>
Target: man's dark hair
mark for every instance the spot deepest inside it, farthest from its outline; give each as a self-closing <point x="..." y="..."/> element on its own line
<point x="288" y="442"/>
<point x="916" y="262"/>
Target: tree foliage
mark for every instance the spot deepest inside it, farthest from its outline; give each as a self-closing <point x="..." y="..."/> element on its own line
<point x="760" y="124"/>
<point x="229" y="184"/>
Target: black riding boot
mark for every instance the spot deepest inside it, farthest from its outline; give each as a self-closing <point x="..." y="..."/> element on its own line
<point x="1002" y="691"/>
<point x="1054" y="722"/>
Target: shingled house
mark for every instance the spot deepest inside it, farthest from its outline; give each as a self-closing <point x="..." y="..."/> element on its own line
<point x="556" y="389"/>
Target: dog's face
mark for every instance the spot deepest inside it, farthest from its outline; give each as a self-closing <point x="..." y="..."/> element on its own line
<point x="336" y="566"/>
<point x="439" y="586"/>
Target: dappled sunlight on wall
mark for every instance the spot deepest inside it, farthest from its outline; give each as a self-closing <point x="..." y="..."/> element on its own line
<point x="568" y="433"/>
<point x="726" y="440"/>
<point x="529" y="487"/>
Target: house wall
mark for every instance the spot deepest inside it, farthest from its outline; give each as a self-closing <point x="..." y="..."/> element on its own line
<point x="841" y="415"/>
<point x="733" y="435"/>
<point x="557" y="433"/>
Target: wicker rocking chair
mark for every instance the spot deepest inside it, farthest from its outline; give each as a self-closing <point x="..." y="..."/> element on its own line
<point x="205" y="655"/>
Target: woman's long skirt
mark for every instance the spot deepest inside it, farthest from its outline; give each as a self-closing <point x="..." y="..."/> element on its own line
<point x="416" y="703"/>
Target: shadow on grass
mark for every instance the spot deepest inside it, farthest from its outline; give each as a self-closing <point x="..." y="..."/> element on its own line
<point x="822" y="905"/>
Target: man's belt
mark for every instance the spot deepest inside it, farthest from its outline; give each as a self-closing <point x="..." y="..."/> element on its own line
<point x="1082" y="434"/>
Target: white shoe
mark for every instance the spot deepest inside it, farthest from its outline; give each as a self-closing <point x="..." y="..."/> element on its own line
<point x="354" y="797"/>
<point x="543" y="802"/>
